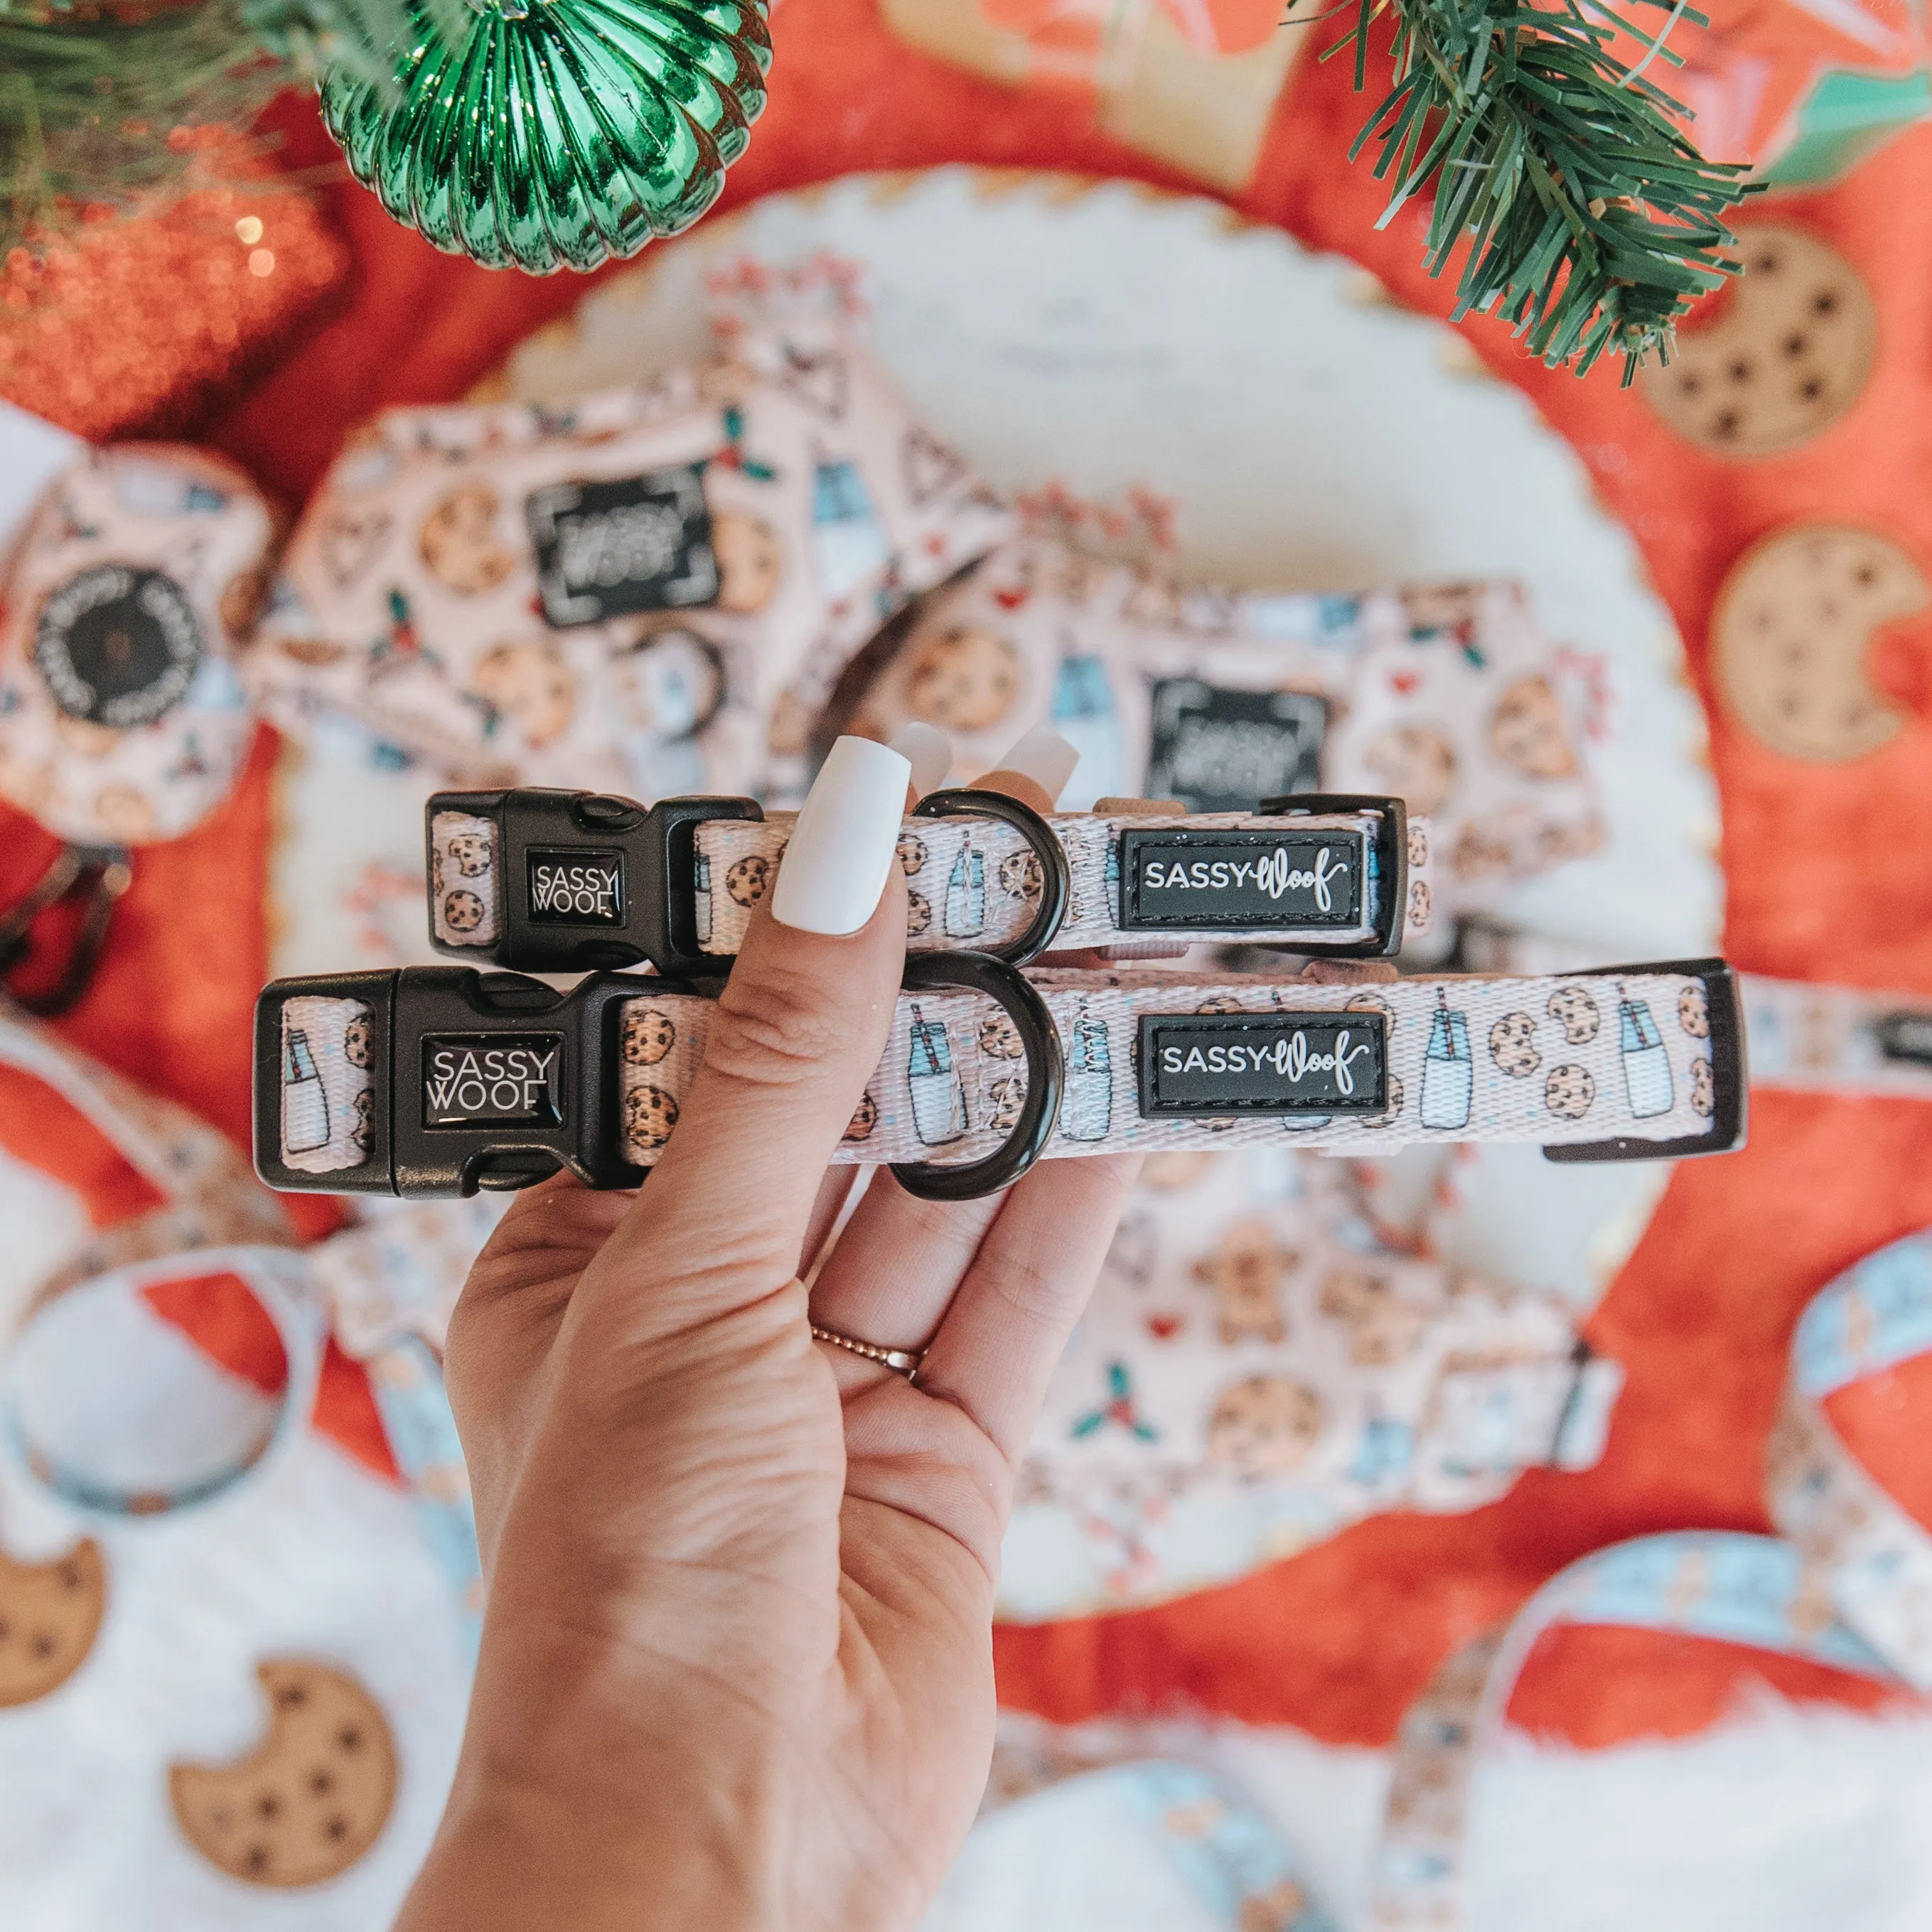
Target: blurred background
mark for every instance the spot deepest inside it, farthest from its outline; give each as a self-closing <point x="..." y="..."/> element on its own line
<point x="1109" y="377"/>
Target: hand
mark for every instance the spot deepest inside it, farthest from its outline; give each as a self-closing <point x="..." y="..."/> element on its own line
<point x="736" y="1663"/>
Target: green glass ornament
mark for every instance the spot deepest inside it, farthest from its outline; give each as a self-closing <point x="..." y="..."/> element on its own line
<point x="560" y="132"/>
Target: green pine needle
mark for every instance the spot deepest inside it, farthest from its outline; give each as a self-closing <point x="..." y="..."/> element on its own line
<point x="1590" y="221"/>
<point x="87" y="105"/>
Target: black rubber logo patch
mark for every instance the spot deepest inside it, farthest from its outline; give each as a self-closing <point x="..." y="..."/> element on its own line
<point x="1241" y="881"/>
<point x="635" y="543"/>
<point x="492" y="1080"/>
<point x="1220" y="750"/>
<point x="1906" y="1036"/>
<point x="1202" y="1065"/>
<point x="117" y="646"/>
<point x="576" y="888"/>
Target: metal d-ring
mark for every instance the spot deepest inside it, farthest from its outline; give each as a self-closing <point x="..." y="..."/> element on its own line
<point x="1046" y="1076"/>
<point x="1056" y="880"/>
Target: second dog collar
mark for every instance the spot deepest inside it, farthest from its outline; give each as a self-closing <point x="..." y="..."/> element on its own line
<point x="438" y="1081"/>
<point x="560" y="882"/>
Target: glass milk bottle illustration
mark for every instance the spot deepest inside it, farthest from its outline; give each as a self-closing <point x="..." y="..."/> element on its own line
<point x="701" y="898"/>
<point x="1083" y="713"/>
<point x="1448" y="1074"/>
<point x="1646" y="1061"/>
<point x="304" y="1101"/>
<point x="1111" y="880"/>
<point x="847" y="544"/>
<point x="1087" y="1111"/>
<point x="966" y="893"/>
<point x="938" y="1096"/>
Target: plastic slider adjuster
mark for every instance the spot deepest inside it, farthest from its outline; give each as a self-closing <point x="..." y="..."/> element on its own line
<point x="589" y="881"/>
<point x="474" y="1080"/>
<point x="1730" y="1072"/>
<point x="1390" y="848"/>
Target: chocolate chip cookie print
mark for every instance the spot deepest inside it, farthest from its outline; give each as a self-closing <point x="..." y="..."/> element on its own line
<point x="311" y="1798"/>
<point x="1703" y="1089"/>
<point x="1574" y="1009"/>
<point x="999" y="1038"/>
<point x="649" y="1114"/>
<point x="963" y="678"/>
<point x="747" y="879"/>
<point x="1019" y="875"/>
<point x="1527" y="731"/>
<point x="918" y="914"/>
<point x="356" y="1041"/>
<point x="865" y="1118"/>
<point x="470" y="852"/>
<point x="912" y="854"/>
<point x="1789" y="638"/>
<point x="462" y="910"/>
<point x="1569" y="1092"/>
<point x="648" y="1035"/>
<point x="49" y="1616"/>
<point x="1786" y="353"/>
<point x="1513" y="1045"/>
<point x="1693" y="1011"/>
<point x="458" y="542"/>
<point x="1264" y="1426"/>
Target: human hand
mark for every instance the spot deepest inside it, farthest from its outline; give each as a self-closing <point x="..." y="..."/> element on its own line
<point x="737" y="1662"/>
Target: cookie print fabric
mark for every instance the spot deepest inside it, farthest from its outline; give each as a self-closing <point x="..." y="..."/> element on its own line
<point x="1257" y="1369"/>
<point x="1451" y="697"/>
<point x="125" y="602"/>
<point x="616" y="593"/>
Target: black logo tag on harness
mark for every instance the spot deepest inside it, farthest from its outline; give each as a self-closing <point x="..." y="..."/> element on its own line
<point x="1202" y="1066"/>
<point x="118" y="646"/>
<point x="493" y="1080"/>
<point x="1906" y="1036"/>
<point x="1220" y="750"/>
<point x="581" y="888"/>
<point x="1240" y="881"/>
<point x="635" y="543"/>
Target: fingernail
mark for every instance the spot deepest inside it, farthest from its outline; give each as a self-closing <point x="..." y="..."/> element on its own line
<point x="1043" y="759"/>
<point x="928" y="750"/>
<point x="845" y="840"/>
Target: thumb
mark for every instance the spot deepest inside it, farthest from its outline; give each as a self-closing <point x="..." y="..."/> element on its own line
<point x="798" y="1030"/>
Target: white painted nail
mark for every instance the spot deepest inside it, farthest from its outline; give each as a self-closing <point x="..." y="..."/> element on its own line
<point x="929" y="751"/>
<point x="1044" y="756"/>
<point x="845" y="840"/>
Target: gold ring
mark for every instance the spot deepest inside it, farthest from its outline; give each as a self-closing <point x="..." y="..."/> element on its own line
<point x="901" y="1361"/>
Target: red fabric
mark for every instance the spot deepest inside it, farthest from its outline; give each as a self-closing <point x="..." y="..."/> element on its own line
<point x="220" y="1312"/>
<point x="1828" y="867"/>
<point x="38" y="1126"/>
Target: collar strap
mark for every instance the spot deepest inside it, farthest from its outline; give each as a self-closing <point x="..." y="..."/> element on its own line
<point x="1838" y="1039"/>
<point x="1730" y="1588"/>
<point x="439" y="1080"/>
<point x="561" y="882"/>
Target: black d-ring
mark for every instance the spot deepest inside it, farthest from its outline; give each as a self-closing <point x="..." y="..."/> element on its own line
<point x="1056" y="881"/>
<point x="1046" y="1076"/>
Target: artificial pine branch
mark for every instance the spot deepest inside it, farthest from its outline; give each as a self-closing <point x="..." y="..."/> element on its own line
<point x="89" y="99"/>
<point x="1590" y="221"/>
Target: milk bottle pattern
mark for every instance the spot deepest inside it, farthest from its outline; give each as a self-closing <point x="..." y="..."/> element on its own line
<point x="1646" y="1061"/>
<point x="938" y="1096"/>
<point x="305" y="1100"/>
<point x="1448" y="1073"/>
<point x="701" y="898"/>
<point x="847" y="544"/>
<point x="1083" y="712"/>
<point x="1087" y="1111"/>
<point x="966" y="893"/>
<point x="1112" y="881"/>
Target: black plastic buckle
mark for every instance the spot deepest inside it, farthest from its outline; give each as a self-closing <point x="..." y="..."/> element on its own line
<point x="413" y="1012"/>
<point x="1730" y="1072"/>
<point x="419" y="1011"/>
<point x="98" y="873"/>
<point x="1391" y="851"/>
<point x="652" y="853"/>
<point x="1056" y="878"/>
<point x="1905" y="1036"/>
<point x="1046" y="1076"/>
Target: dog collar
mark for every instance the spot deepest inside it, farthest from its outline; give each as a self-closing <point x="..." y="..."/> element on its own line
<point x="560" y="882"/>
<point x="430" y="1080"/>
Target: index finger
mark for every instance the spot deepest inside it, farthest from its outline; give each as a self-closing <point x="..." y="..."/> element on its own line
<point x="800" y="1027"/>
